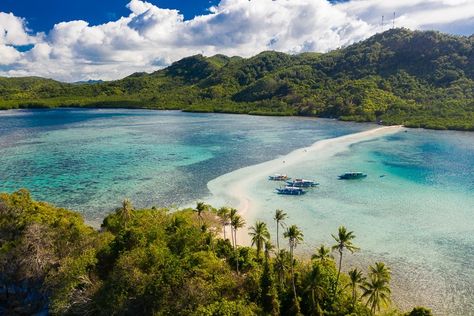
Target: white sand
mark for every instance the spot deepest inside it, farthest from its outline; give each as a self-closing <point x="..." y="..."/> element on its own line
<point x="232" y="189"/>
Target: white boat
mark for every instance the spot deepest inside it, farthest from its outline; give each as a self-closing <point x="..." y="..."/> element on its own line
<point x="279" y="177"/>
<point x="291" y="191"/>
<point x="302" y="183"/>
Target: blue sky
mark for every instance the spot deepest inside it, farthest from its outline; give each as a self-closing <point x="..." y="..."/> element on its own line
<point x="42" y="15"/>
<point x="72" y="40"/>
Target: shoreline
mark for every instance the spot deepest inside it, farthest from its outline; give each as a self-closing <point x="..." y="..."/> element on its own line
<point x="232" y="189"/>
<point x="269" y="114"/>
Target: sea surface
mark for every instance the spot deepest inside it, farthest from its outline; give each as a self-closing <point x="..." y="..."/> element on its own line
<point x="89" y="160"/>
<point x="415" y="210"/>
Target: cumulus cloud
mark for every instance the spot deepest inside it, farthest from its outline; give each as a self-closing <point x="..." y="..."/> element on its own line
<point x="151" y="37"/>
<point x="455" y="16"/>
<point x="13" y="32"/>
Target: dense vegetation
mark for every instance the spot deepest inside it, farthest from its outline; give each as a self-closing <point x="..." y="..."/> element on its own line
<point x="419" y="79"/>
<point x="154" y="262"/>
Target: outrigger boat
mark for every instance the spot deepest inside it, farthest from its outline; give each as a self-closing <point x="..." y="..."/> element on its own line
<point x="279" y="177"/>
<point x="291" y="191"/>
<point x="302" y="183"/>
<point x="352" y="176"/>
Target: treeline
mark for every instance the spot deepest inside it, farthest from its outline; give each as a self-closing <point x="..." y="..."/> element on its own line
<point x="188" y="262"/>
<point x="414" y="78"/>
<point x="419" y="79"/>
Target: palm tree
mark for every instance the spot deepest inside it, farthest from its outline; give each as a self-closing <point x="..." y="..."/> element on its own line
<point x="232" y="214"/>
<point x="280" y="216"/>
<point x="224" y="214"/>
<point x="377" y="292"/>
<point x="237" y="222"/>
<point x="125" y="212"/>
<point x="316" y="288"/>
<point x="268" y="249"/>
<point x="380" y="271"/>
<point x="343" y="241"/>
<point x="356" y="277"/>
<point x="259" y="234"/>
<point x="295" y="236"/>
<point x="322" y="254"/>
<point x="201" y="207"/>
<point x="281" y="265"/>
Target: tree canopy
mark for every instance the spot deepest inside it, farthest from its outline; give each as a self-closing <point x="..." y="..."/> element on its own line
<point x="157" y="262"/>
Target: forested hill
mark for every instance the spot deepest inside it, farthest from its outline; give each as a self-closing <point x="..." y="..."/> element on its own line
<point x="420" y="79"/>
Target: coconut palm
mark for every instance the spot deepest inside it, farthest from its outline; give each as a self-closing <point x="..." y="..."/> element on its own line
<point x="316" y="289"/>
<point x="237" y="222"/>
<point x="377" y="292"/>
<point x="224" y="215"/>
<point x="322" y="254"/>
<point x="232" y="214"/>
<point x="259" y="234"/>
<point x="343" y="241"/>
<point x="268" y="249"/>
<point x="295" y="236"/>
<point x="280" y="216"/>
<point x="380" y="271"/>
<point x="125" y="212"/>
<point x="281" y="265"/>
<point x="356" y="278"/>
<point x="201" y="207"/>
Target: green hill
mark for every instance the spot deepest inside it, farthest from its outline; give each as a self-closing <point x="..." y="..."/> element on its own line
<point x="420" y="79"/>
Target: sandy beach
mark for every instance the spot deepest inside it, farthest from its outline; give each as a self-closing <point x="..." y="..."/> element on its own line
<point x="232" y="189"/>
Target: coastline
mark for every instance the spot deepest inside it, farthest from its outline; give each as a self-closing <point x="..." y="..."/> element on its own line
<point x="234" y="188"/>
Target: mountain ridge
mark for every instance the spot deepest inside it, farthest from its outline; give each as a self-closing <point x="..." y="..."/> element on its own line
<point x="415" y="78"/>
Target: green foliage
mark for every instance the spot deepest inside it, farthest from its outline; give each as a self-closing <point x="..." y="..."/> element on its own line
<point x="419" y="311"/>
<point x="44" y="251"/>
<point x="154" y="262"/>
<point x="227" y="308"/>
<point x="414" y="78"/>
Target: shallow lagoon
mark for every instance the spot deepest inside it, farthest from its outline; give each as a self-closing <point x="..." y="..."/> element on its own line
<point x="414" y="211"/>
<point x="418" y="217"/>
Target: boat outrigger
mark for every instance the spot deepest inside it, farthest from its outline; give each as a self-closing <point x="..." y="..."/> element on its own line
<point x="352" y="176"/>
<point x="291" y="191"/>
<point x="279" y="177"/>
<point x="302" y="183"/>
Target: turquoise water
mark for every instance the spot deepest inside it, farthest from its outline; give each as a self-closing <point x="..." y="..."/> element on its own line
<point x="89" y="160"/>
<point x="415" y="211"/>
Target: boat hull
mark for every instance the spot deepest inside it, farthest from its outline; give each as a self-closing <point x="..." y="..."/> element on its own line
<point x="290" y="191"/>
<point x="302" y="184"/>
<point x="348" y="176"/>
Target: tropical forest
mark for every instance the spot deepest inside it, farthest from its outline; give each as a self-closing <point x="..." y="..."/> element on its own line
<point x="185" y="262"/>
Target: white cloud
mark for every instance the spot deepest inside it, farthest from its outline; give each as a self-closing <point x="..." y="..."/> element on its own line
<point x="12" y="32"/>
<point x="8" y="54"/>
<point x="152" y="37"/>
<point x="443" y="15"/>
